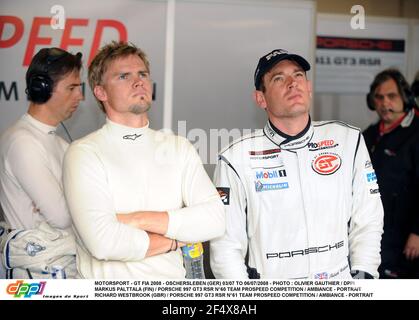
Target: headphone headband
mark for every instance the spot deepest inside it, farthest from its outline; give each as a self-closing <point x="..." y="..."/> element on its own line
<point x="40" y="84"/>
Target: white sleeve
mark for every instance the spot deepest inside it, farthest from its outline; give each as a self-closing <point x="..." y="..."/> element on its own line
<point x="29" y="164"/>
<point x="203" y="217"/>
<point x="94" y="216"/>
<point x="228" y="251"/>
<point x="366" y="224"/>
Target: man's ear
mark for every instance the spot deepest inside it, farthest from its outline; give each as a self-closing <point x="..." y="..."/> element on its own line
<point x="100" y="93"/>
<point x="259" y="98"/>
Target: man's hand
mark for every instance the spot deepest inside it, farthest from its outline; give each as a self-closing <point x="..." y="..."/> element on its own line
<point x="160" y="244"/>
<point x="411" y="249"/>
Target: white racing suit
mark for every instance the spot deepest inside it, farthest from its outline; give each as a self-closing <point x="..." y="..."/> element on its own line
<point x="40" y="253"/>
<point x="300" y="207"/>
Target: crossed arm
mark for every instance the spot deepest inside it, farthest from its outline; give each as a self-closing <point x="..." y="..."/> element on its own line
<point x="111" y="235"/>
<point x="155" y="223"/>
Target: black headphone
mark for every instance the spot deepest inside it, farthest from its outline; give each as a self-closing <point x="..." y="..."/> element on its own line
<point x="408" y="97"/>
<point x="415" y="91"/>
<point x="40" y="84"/>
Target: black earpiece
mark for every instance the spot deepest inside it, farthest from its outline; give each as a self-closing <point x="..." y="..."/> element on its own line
<point x="40" y="85"/>
<point x="39" y="88"/>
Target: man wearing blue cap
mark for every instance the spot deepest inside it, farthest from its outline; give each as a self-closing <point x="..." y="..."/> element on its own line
<point x="301" y="197"/>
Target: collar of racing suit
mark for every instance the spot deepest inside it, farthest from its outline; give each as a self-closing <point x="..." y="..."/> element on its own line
<point x="287" y="142"/>
<point x="124" y="133"/>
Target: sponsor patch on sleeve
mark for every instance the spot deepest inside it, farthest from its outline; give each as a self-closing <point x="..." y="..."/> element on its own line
<point x="224" y="195"/>
<point x="371" y="177"/>
<point x="371" y="182"/>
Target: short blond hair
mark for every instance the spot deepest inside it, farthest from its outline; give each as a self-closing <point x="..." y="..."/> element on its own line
<point x="106" y="55"/>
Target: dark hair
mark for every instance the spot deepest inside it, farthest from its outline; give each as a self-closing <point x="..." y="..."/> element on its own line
<point x="402" y="86"/>
<point x="53" y="63"/>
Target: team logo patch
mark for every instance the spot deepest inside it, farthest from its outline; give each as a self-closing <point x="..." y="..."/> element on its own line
<point x="326" y="163"/>
<point x="224" y="195"/>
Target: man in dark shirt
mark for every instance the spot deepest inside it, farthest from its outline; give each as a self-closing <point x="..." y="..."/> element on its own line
<point x="393" y="143"/>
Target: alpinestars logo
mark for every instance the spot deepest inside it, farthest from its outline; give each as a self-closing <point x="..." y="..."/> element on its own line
<point x="131" y="136"/>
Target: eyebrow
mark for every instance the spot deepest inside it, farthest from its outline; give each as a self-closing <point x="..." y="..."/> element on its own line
<point x="117" y="73"/>
<point x="74" y="85"/>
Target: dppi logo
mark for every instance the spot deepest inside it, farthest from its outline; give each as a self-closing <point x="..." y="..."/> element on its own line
<point x="326" y="163"/>
<point x="27" y="290"/>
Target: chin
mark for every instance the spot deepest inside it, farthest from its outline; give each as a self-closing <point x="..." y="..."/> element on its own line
<point x="300" y="107"/>
<point x="139" y="108"/>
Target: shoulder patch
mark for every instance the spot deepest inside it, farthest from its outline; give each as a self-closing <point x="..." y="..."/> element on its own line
<point x="224" y="195"/>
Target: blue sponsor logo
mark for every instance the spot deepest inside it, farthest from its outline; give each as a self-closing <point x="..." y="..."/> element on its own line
<point x="259" y="186"/>
<point x="371" y="177"/>
<point x="270" y="174"/>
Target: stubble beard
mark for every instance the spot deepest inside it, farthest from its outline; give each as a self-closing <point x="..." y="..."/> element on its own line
<point x="139" y="109"/>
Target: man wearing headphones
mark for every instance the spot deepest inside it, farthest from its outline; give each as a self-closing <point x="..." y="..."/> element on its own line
<point x="393" y="143"/>
<point x="31" y="156"/>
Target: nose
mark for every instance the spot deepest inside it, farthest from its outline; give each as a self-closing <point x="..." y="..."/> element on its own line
<point x="383" y="101"/>
<point x="387" y="100"/>
<point x="138" y="82"/>
<point x="80" y="93"/>
<point x="291" y="82"/>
